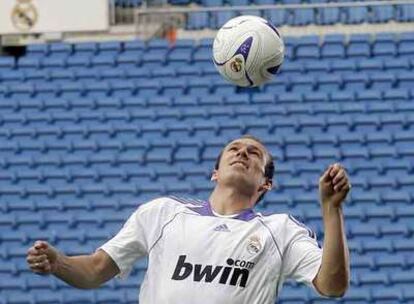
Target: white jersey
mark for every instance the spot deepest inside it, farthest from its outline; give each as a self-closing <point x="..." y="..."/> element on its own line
<point x="197" y="257"/>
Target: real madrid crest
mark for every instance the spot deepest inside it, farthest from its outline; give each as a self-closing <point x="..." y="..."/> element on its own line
<point x="236" y="65"/>
<point x="254" y="245"/>
<point x="24" y="15"/>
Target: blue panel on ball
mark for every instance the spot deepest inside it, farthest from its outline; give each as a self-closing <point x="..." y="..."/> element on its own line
<point x="273" y="28"/>
<point x="273" y="70"/>
<point x="244" y="48"/>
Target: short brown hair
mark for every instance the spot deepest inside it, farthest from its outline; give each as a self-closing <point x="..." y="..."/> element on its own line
<point x="269" y="167"/>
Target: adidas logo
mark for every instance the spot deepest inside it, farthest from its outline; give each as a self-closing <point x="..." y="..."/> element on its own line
<point x="222" y="227"/>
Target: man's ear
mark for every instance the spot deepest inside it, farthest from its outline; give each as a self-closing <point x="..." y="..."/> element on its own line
<point x="214" y="175"/>
<point x="266" y="186"/>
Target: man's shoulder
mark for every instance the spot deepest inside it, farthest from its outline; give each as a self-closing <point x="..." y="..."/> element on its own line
<point x="171" y="203"/>
<point x="281" y="220"/>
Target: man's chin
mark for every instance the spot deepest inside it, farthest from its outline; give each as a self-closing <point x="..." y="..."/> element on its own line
<point x="239" y="179"/>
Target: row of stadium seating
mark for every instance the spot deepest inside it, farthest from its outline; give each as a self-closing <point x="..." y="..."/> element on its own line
<point x="372" y="84"/>
<point x="289" y="103"/>
<point x="303" y="16"/>
<point x="116" y="47"/>
<point x="296" y="119"/>
<point x="293" y="17"/>
<point x="178" y="58"/>
<point x="396" y="68"/>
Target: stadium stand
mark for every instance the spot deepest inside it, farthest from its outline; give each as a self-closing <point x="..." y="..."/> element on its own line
<point x="91" y="130"/>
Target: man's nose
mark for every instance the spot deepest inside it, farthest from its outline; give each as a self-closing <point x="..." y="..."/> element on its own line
<point x="243" y="152"/>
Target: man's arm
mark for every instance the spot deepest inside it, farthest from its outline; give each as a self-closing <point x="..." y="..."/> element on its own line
<point x="333" y="276"/>
<point x="86" y="271"/>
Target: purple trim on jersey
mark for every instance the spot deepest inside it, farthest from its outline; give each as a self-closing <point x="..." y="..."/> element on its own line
<point x="205" y="209"/>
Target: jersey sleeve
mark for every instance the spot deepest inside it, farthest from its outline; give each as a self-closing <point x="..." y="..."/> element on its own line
<point x="303" y="256"/>
<point x="134" y="240"/>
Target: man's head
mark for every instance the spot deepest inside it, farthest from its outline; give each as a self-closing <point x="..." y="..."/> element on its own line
<point x="246" y="164"/>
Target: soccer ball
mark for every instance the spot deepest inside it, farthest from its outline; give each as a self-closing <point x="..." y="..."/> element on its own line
<point x="248" y="51"/>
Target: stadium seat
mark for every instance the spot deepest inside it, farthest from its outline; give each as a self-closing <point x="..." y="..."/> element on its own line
<point x="301" y="17"/>
<point x="198" y="20"/>
<point x="371" y="64"/>
<point x="382" y="14"/>
<point x="110" y="47"/>
<point x="220" y="18"/>
<point x="329" y="15"/>
<point x="277" y="17"/>
<point x="405" y="13"/>
<point x="356" y="15"/>
<point x="382" y="81"/>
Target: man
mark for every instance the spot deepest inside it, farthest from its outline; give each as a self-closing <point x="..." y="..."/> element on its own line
<point x="219" y="251"/>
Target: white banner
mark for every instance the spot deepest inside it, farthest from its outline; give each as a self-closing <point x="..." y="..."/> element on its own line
<point x="45" y="16"/>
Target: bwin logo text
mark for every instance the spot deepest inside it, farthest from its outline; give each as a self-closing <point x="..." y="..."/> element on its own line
<point x="208" y="273"/>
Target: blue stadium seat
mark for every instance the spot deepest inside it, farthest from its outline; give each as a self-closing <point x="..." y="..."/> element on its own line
<point x="301" y="17"/>
<point x="104" y="60"/>
<point x="316" y="66"/>
<point x="405" y="13"/>
<point x="307" y="52"/>
<point x="406" y="45"/>
<point x="355" y="81"/>
<point x="157" y="57"/>
<point x="60" y="49"/>
<point x="37" y="50"/>
<point x="111" y="74"/>
<point x="199" y="87"/>
<point x="371" y="64"/>
<point x="56" y="63"/>
<point x="303" y="83"/>
<point x="164" y="72"/>
<point x="197" y="21"/>
<point x="382" y="13"/>
<point x="28" y="63"/>
<point x="7" y="62"/>
<point x="329" y="15"/>
<point x="220" y="18"/>
<point x="148" y="88"/>
<point x="12" y="76"/>
<point x="134" y="45"/>
<point x="157" y="44"/>
<point x="277" y="17"/>
<point x="79" y="61"/>
<point x="202" y="55"/>
<point x="396" y="64"/>
<point x="188" y="71"/>
<point x="329" y="82"/>
<point x="129" y="59"/>
<point x="342" y="65"/>
<point x="384" y="49"/>
<point x="369" y="95"/>
<point x="333" y="50"/>
<point x="179" y="57"/>
<point x="138" y="73"/>
<point x="356" y="15"/>
<point x="85" y="48"/>
<point x="359" y="50"/>
<point x="401" y="94"/>
<point x="110" y="47"/>
<point x="405" y="80"/>
<point x="174" y="87"/>
<point x="382" y="81"/>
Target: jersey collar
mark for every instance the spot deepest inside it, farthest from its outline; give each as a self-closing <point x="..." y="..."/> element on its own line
<point x="205" y="209"/>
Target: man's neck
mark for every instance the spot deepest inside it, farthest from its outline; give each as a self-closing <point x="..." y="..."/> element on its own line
<point x="227" y="201"/>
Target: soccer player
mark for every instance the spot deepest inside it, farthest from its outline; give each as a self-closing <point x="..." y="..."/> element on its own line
<point x="221" y="250"/>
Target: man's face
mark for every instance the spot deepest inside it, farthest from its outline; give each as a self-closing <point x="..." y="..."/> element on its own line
<point x="242" y="165"/>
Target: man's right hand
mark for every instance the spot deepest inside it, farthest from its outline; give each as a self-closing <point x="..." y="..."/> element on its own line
<point x="42" y="258"/>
